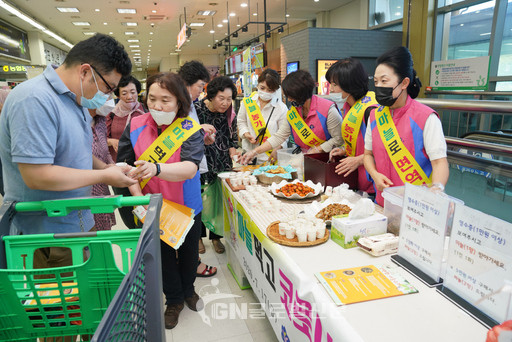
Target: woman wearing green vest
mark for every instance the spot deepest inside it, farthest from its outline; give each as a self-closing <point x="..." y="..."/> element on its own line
<point x="262" y="114"/>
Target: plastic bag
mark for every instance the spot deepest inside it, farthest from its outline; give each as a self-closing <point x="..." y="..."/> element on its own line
<point x="362" y="209"/>
<point x="213" y="210"/>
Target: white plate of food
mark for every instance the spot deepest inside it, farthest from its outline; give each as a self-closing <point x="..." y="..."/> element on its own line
<point x="327" y="209"/>
<point x="296" y="189"/>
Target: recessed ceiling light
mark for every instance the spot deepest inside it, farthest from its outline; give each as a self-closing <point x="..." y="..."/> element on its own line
<point x="206" y="12"/>
<point x="316" y="0"/>
<point x="68" y="9"/>
<point x="255" y="14"/>
<point x="81" y="23"/>
<point x="243" y="4"/>
<point x="105" y="23"/>
<point x="197" y="24"/>
<point x="89" y="33"/>
<point x="150" y="32"/>
<point x="129" y="24"/>
<point x="133" y="40"/>
<point x="232" y="14"/>
<point x="237" y="25"/>
<point x="149" y="51"/>
<point x="129" y="33"/>
<point x="151" y="40"/>
<point x="225" y="21"/>
<point x="153" y="11"/>
<point x="135" y="50"/>
<point x="137" y="54"/>
<point x="216" y="40"/>
<point x="219" y="25"/>
<point x="127" y="10"/>
<point x="287" y="15"/>
<point x="134" y="46"/>
<point x="149" y="45"/>
<point x="209" y="45"/>
<point x="212" y="31"/>
<point x="111" y="33"/>
<point x="96" y="10"/>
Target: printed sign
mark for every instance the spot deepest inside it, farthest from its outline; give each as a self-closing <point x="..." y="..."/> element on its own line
<point x="322" y="65"/>
<point x="246" y="81"/>
<point x="182" y="36"/>
<point x="422" y="229"/>
<point x="480" y="260"/>
<point x="460" y="74"/>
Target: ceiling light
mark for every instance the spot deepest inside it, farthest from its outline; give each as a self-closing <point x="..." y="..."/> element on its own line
<point x="111" y="33"/>
<point x="232" y="14"/>
<point x="255" y="14"/>
<point x="214" y="47"/>
<point x="225" y="21"/>
<point x="127" y="10"/>
<point x="133" y="40"/>
<point x="96" y="10"/>
<point x="235" y="34"/>
<point x="129" y="24"/>
<point x="153" y="11"/>
<point x="216" y="40"/>
<point x="105" y="23"/>
<point x="196" y="24"/>
<point x="88" y="33"/>
<point x="129" y="33"/>
<point x="209" y="45"/>
<point x="280" y="29"/>
<point x="243" y="4"/>
<point x="212" y="31"/>
<point x="206" y="12"/>
<point x="237" y="25"/>
<point x="136" y="54"/>
<point x="135" y="50"/>
<point x="287" y="15"/>
<point x="150" y="32"/>
<point x="245" y="29"/>
<point x="149" y="51"/>
<point x="21" y="15"/>
<point x="219" y="25"/>
<point x="316" y="0"/>
<point x="139" y="69"/>
<point x="149" y="45"/>
<point x="68" y="9"/>
<point x="59" y="38"/>
<point x="151" y="40"/>
<point x="134" y="46"/>
<point x="81" y="23"/>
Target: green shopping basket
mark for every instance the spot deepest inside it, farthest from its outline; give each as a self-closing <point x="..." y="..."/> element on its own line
<point x="72" y="300"/>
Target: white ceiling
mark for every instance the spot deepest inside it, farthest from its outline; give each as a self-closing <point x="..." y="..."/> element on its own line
<point x="162" y="42"/>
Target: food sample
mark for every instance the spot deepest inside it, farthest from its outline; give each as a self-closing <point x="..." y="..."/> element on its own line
<point x="331" y="210"/>
<point x="276" y="171"/>
<point x="295" y="188"/>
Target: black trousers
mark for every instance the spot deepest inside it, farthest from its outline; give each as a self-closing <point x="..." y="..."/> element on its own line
<point x="212" y="234"/>
<point x="178" y="276"/>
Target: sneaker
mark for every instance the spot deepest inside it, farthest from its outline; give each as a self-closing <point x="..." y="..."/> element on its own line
<point x="171" y="315"/>
<point x="192" y="302"/>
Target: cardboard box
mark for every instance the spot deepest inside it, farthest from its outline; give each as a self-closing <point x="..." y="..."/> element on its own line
<point x="318" y="169"/>
<point x="345" y="232"/>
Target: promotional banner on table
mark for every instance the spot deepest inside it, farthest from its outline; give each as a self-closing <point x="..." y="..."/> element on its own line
<point x="289" y="297"/>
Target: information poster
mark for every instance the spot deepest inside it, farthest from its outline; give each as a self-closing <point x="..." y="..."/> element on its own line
<point x="422" y="229"/>
<point x="238" y="62"/>
<point x="360" y="284"/>
<point x="257" y="56"/>
<point x="247" y="72"/>
<point x="460" y="74"/>
<point x="322" y="65"/>
<point x="480" y="260"/>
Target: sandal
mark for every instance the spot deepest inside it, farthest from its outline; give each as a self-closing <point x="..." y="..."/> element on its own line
<point x="218" y="246"/>
<point x="207" y="272"/>
<point x="202" y="249"/>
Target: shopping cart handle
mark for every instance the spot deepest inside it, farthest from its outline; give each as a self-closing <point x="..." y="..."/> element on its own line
<point x="97" y="205"/>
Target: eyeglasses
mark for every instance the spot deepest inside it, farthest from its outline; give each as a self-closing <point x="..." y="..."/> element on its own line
<point x="111" y="90"/>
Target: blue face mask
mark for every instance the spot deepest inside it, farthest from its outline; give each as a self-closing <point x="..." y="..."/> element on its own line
<point x="98" y="99"/>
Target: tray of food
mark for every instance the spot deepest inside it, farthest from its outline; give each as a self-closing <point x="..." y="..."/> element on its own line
<point x="327" y="209"/>
<point x="274" y="233"/>
<point x="296" y="189"/>
<point x="275" y="174"/>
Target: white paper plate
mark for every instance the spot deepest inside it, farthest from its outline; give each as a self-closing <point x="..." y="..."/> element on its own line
<point x="319" y="188"/>
<point x="224" y="175"/>
<point x="313" y="208"/>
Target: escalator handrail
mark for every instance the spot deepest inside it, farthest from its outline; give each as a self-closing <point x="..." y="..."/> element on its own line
<point x="495" y="167"/>
<point x="480" y="146"/>
<point x="495" y="106"/>
<point x="487" y="133"/>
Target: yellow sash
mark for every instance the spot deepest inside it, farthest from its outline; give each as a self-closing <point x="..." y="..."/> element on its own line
<point x="256" y="118"/>
<point x="351" y="125"/>
<point x="405" y="165"/>
<point x="302" y="130"/>
<point x="168" y="142"/>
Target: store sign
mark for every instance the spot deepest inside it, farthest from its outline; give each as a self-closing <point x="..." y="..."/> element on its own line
<point x="12" y="69"/>
<point x="289" y="297"/>
<point x="480" y="261"/>
<point x="182" y="36"/>
<point x="322" y="65"/>
<point x="13" y="42"/>
<point x="460" y="74"/>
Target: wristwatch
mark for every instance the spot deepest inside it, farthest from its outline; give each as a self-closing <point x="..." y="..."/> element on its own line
<point x="158" y="170"/>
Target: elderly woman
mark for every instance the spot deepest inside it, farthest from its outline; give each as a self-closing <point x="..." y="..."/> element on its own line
<point x="314" y="122"/>
<point x="216" y="110"/>
<point x="127" y="108"/>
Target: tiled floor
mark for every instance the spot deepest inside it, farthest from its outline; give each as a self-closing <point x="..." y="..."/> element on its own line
<point x="230" y="314"/>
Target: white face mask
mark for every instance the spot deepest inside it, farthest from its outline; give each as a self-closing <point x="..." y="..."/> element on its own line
<point x="265" y="96"/>
<point x="107" y="108"/>
<point x="162" y="118"/>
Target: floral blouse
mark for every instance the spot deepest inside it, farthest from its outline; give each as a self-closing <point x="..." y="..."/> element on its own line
<point x="217" y="154"/>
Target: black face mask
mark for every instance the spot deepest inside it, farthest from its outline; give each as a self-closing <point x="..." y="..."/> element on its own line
<point x="384" y="95"/>
<point x="296" y="104"/>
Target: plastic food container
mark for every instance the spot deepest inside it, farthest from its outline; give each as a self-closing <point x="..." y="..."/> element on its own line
<point x="393" y="205"/>
<point x="285" y="158"/>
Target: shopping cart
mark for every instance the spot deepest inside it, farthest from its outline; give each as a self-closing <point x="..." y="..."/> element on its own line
<point x="94" y="300"/>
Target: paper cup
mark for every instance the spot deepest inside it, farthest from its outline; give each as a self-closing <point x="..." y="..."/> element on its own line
<point x="302" y="236"/>
<point x="311" y="235"/>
